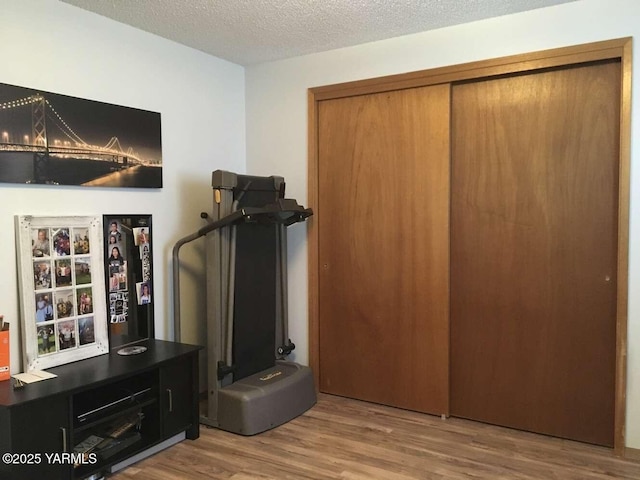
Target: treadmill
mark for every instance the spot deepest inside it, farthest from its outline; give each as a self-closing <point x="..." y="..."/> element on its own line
<point x="251" y="387"/>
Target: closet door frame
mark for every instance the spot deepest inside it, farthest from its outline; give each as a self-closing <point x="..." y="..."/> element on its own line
<point x="619" y="49"/>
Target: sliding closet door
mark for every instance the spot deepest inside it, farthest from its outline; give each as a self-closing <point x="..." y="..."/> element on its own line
<point x="534" y="250"/>
<point x="384" y="247"/>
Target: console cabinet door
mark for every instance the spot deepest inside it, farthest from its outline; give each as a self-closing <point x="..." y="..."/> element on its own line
<point x="41" y="427"/>
<point x="178" y="401"/>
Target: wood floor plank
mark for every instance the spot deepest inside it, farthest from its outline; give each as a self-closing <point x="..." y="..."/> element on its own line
<point x="340" y="438"/>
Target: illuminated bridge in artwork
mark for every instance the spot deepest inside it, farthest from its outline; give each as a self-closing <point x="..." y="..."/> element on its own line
<point x="47" y="122"/>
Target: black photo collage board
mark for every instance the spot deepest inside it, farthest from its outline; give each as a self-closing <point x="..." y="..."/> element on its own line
<point x="129" y="278"/>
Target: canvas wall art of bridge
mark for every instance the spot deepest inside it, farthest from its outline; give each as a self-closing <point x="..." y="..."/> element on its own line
<point x="52" y="139"/>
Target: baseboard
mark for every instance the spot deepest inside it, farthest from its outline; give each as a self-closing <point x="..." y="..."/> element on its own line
<point x="632" y="453"/>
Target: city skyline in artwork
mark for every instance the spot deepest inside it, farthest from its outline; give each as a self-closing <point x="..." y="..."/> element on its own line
<point x="48" y="138"/>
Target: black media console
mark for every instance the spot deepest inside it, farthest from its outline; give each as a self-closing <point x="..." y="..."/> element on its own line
<point x="112" y="407"/>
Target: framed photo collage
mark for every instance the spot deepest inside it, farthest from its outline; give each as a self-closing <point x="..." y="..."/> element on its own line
<point x="128" y="268"/>
<point x="62" y="289"/>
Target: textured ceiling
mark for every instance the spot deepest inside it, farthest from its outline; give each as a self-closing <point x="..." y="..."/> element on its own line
<point x="255" y="31"/>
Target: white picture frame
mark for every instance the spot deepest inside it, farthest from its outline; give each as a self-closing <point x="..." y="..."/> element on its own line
<point x="62" y="291"/>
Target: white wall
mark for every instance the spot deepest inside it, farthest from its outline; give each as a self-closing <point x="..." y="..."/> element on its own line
<point x="276" y="97"/>
<point x="51" y="46"/>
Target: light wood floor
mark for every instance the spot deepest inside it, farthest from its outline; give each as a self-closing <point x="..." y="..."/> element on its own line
<point x="346" y="439"/>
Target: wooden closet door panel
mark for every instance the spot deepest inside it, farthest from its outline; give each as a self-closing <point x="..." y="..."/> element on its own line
<point x="534" y="251"/>
<point x="384" y="247"/>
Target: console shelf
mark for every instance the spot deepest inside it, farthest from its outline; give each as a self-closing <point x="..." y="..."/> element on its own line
<point x="123" y="405"/>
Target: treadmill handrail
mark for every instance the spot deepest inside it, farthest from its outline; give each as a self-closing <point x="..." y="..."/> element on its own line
<point x="282" y="206"/>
